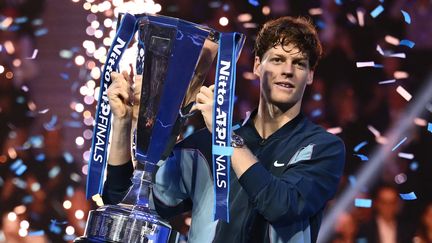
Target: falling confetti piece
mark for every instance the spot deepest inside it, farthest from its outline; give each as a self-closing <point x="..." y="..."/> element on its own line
<point x="66" y="54"/>
<point x="43" y="111"/>
<point x="352" y="180"/>
<point x="254" y="3"/>
<point x="429" y="127"/>
<point x="377" y="11"/>
<point x="407" y="43"/>
<point x="334" y="130"/>
<point x="64" y="76"/>
<point x="406" y="155"/>
<point x="36" y="233"/>
<point x="41" y="32"/>
<point x="398" y="55"/>
<point x="414" y="166"/>
<point x="363" y="203"/>
<point x="408" y="196"/>
<point x="387" y="81"/>
<point x="401" y="142"/>
<point x="338" y="2"/>
<point x="68" y="157"/>
<point x="359" y="146"/>
<point x="404" y="93"/>
<point x="365" y="64"/>
<point x="407" y="17"/>
<point x="35" y="52"/>
<point x="362" y="157"/>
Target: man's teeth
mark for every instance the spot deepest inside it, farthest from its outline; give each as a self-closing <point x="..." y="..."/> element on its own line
<point x="285" y="85"/>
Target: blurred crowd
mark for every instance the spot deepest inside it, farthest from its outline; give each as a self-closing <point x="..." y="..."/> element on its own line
<point x="42" y="186"/>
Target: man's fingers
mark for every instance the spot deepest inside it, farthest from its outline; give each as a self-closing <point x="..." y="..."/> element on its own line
<point x="207" y="91"/>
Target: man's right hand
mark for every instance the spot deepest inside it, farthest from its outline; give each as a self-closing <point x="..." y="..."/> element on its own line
<point x="120" y="95"/>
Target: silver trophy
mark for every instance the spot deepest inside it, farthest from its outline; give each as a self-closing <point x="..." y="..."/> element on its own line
<point x="174" y="58"/>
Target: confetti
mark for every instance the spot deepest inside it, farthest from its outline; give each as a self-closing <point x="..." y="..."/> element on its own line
<point x="387" y="81"/>
<point x="363" y="203"/>
<point x="360" y="17"/>
<point x="429" y="127"/>
<point x="406" y="16"/>
<point x="365" y="64"/>
<point x="338" y="2"/>
<point x="334" y="130"/>
<point x="414" y="166"/>
<point x="36" y="233"/>
<point x="254" y="3"/>
<point x="359" y="146"/>
<point x="41" y="32"/>
<point x="54" y="171"/>
<point x="35" y="52"/>
<point x="21" y="20"/>
<point x="49" y="126"/>
<point x="373" y="130"/>
<point x="401" y="142"/>
<point x="66" y="54"/>
<point x="40" y="157"/>
<point x="398" y="55"/>
<point x="404" y="93"/>
<point x="64" y="76"/>
<point x="408" y="196"/>
<point x="43" y="111"/>
<point x="406" y="155"/>
<point x="316" y="113"/>
<point x="377" y="11"/>
<point x="362" y="157"/>
<point x="407" y="43"/>
<point x="68" y="157"/>
<point x="400" y="75"/>
<point x="74" y="124"/>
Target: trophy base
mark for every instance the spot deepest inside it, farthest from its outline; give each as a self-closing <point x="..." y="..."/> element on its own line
<point x="126" y="223"/>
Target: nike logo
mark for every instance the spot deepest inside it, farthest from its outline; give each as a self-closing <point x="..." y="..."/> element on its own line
<point x="277" y="164"/>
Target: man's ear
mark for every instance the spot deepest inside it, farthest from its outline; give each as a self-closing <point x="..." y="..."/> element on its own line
<point x="256" y="69"/>
<point x="310" y="77"/>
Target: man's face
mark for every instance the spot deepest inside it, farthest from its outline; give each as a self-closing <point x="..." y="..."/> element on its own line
<point x="284" y="74"/>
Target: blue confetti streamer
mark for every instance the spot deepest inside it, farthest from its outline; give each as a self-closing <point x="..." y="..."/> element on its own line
<point x="54" y="172"/>
<point x="70" y="191"/>
<point x="68" y="157"/>
<point x="21" y="170"/>
<point x="406" y="16"/>
<point x="320" y="24"/>
<point x="362" y="157"/>
<point x="316" y="113"/>
<point x="20" y="183"/>
<point x="414" y="165"/>
<point x="15" y="165"/>
<point x="359" y="146"/>
<point x="407" y="43"/>
<point x="36" y="233"/>
<point x="51" y="124"/>
<point x="429" y="127"/>
<point x="37" y="22"/>
<point x="54" y="228"/>
<point x="317" y="97"/>
<point x="36" y="141"/>
<point x="401" y="142"/>
<point x="378" y="66"/>
<point x="64" y="76"/>
<point x="74" y="124"/>
<point x="41" y="32"/>
<point x="408" y="196"/>
<point x="40" y="157"/>
<point x="27" y="199"/>
<point x="254" y="3"/>
<point x="21" y="20"/>
<point x="338" y="2"/>
<point x="377" y="11"/>
<point x="363" y="203"/>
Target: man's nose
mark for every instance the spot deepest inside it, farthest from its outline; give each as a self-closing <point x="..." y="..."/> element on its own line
<point x="287" y="69"/>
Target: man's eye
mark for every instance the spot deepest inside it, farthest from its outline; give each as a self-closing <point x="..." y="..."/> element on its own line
<point x="302" y="64"/>
<point x="276" y="60"/>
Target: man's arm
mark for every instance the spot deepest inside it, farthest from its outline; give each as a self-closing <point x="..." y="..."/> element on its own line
<point x="120" y="167"/>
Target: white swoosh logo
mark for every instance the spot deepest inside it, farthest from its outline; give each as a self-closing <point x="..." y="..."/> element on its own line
<point x="277" y="164"/>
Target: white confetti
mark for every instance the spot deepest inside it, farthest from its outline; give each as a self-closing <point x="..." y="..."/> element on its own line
<point x="404" y="93"/>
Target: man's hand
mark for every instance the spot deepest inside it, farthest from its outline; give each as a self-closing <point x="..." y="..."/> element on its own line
<point x="204" y="103"/>
<point x="120" y="95"/>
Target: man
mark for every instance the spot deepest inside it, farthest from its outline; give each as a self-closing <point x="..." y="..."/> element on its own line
<point x="284" y="168"/>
